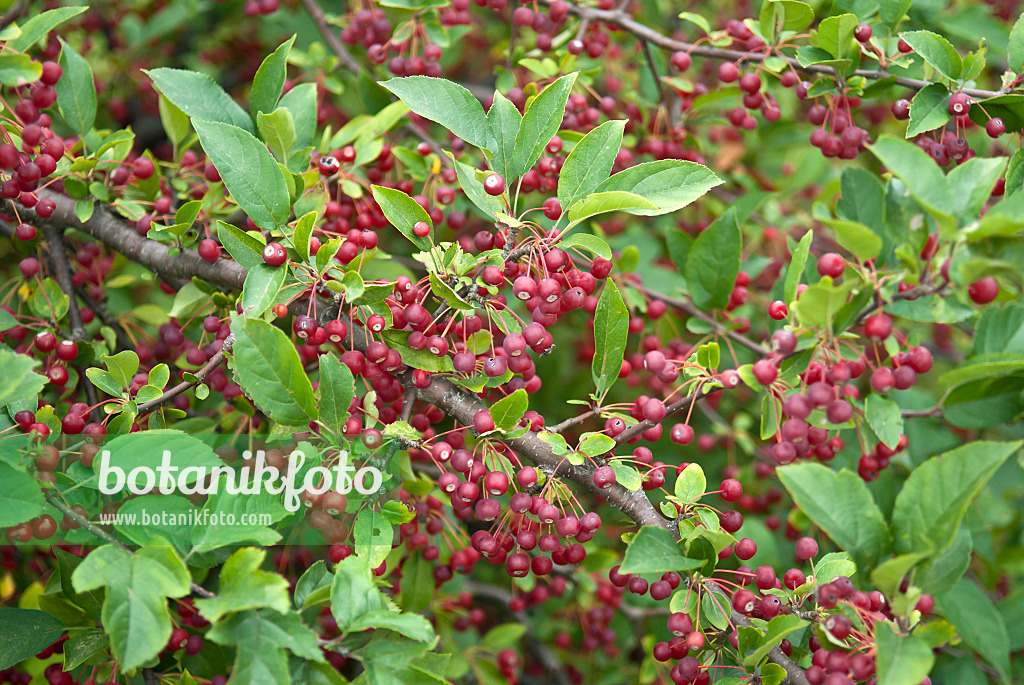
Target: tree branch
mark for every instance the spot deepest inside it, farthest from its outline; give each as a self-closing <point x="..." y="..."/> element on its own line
<point x="625" y="21"/>
<point x="716" y="326"/>
<point x="344" y="56"/>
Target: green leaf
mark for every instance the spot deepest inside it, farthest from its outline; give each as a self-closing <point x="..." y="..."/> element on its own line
<point x="934" y="499"/>
<point x="595" y="444"/>
<point x="412" y="626"/>
<point x="353" y="593"/>
<point x="883" y="415"/>
<point x="277" y="130"/>
<point x="941" y="572"/>
<point x="938" y="52"/>
<point x="691" y="483"/>
<point x="146" y="449"/>
<point x="18" y="70"/>
<point x="122" y="366"/>
<point x="24" y="633"/>
<point x="446" y="103"/>
<point x="176" y="123"/>
<point x="892" y="11"/>
<point x="244" y="585"/>
<point x="978" y="622"/>
<point x="841" y="505"/>
<point x="591" y="243"/>
<point x="18" y="382"/>
<point x="41" y="24"/>
<point x="262" y="284"/>
<point x="835" y="36"/>
<point x="696" y="19"/>
<point x="856" y="238"/>
<point x="301" y="102"/>
<point x="270" y="372"/>
<point x="445" y="292"/>
<point x="1015" y="48"/>
<point x="198" y="96"/>
<point x="610" y="201"/>
<point x="669" y="184"/>
<point x="541" y="120"/>
<point x="303" y="230"/>
<point x="888" y="575"/>
<point x="373" y="535"/>
<point x="21" y="496"/>
<point x="248" y="170"/>
<point x="784" y="15"/>
<point x="83" y="645"/>
<point x="261" y="637"/>
<point x="972" y="183"/>
<point x="76" y="91"/>
<point x="504" y="636"/>
<point x="504" y="122"/>
<point x="135" y="614"/>
<point x="590" y="162"/>
<point x="402" y="212"/>
<point x="1009" y="108"/>
<point x="242" y="247"/>
<point x="49" y="301"/>
<point x="474" y="189"/>
<point x="417" y="589"/>
<point x="795" y="270"/>
<point x="268" y="82"/>
<point x="679" y="246"/>
<point x="507" y="411"/>
<point x="901" y="659"/>
<point x="832" y="566"/>
<point x="337" y="388"/>
<point x="611" y="329"/>
<point x="778" y="628"/>
<point x="714" y="262"/>
<point x="627" y="476"/>
<point x="654" y="550"/>
<point x="416" y="359"/>
<point x="928" y="109"/>
<point x="922" y="176"/>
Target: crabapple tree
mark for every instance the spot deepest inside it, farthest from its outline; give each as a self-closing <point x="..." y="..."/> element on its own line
<point x="598" y="342"/>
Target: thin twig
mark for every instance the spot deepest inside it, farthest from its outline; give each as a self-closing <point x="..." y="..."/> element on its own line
<point x="716" y="326"/>
<point x="344" y="56"/>
<point x="200" y="375"/>
<point x="623" y="20"/>
<point x="53" y="497"/>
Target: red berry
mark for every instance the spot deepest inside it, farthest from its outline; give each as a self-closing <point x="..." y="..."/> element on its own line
<point x="208" y="250"/>
<point x="777" y="310"/>
<point x="274" y="254"/>
<point x="995" y="127"/>
<point x="681" y="61"/>
<point x="328" y="165"/>
<point x="878" y="326"/>
<point x="831" y="264"/>
<point x="984" y="290"/>
<point x="862" y="33"/>
<point x="959" y="104"/>
<point x="494" y="184"/>
<point x="728" y="72"/>
<point x="806" y="548"/>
